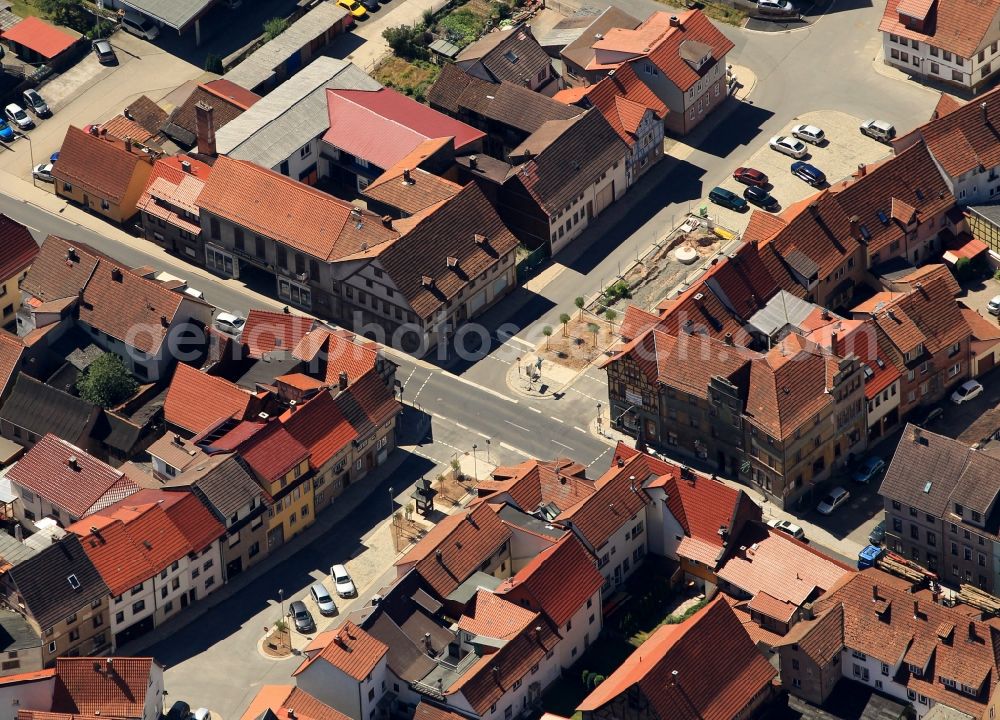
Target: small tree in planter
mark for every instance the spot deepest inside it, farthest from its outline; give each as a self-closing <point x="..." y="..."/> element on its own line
<point x="610" y="315"/>
<point x="579" y="302"/>
<point x="593" y="329"/>
<point x="564" y="319"/>
<point x="547" y="332"/>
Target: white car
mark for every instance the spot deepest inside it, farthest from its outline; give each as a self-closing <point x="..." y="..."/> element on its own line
<point x="809" y="133"/>
<point x="969" y="390"/>
<point x="878" y="130"/>
<point x="833" y="500"/>
<point x="16" y="114"/>
<point x="229" y="323"/>
<point x="994" y="305"/>
<point x="43" y="172"/>
<point x="342" y="582"/>
<point x="787" y="527"/>
<point x="788" y="146"/>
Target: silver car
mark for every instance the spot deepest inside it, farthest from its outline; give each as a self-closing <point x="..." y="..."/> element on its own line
<point x="809" y="133"/>
<point x="36" y="103"/>
<point x="323" y="600"/>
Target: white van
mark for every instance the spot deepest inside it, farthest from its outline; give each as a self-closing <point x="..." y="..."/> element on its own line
<point x="139" y="26"/>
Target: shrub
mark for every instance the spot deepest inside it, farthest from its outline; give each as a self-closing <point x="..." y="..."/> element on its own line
<point x="107" y="382"/>
<point x="963" y="268"/>
<point x="406" y="41"/>
<point x="585" y="678"/>
<point x="102" y="29"/>
<point x="274" y="27"/>
<point x="617" y="291"/>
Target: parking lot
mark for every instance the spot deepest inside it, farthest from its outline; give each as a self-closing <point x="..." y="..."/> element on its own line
<point x="843" y="150"/>
<point x="90" y="92"/>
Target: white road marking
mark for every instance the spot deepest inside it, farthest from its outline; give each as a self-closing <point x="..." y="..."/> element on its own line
<point x="464" y="427"/>
<point x="513" y="449"/>
<point x="483" y="435"/>
<point x="579" y="429"/>
<point x="534" y="409"/>
<point x="484" y="389"/>
<point x="592" y="462"/>
<point x="519" y="427"/>
<point x="561" y="444"/>
<point x="558" y="420"/>
<point x="519" y="341"/>
<point x="421" y="388"/>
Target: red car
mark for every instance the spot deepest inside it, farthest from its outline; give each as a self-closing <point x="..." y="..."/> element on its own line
<point x="749" y="176"/>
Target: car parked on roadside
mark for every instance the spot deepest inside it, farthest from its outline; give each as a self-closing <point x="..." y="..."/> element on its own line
<point x="43" y="172"/>
<point x="727" y="199"/>
<point x="877" y="535"/>
<point x="761" y="198"/>
<point x="781" y="8"/>
<point x="6" y="131"/>
<point x="342" y="582"/>
<point x="16" y="115"/>
<point x="229" y="323"/>
<point x="878" y="130"/>
<point x="810" y="173"/>
<point x="301" y="617"/>
<point x="104" y="52"/>
<point x="788" y="146"/>
<point x="869" y="469"/>
<point x="969" y="390"/>
<point x="833" y="500"/>
<point x="809" y="134"/>
<point x="322" y="598"/>
<point x="750" y="176"/>
<point x="180" y="710"/>
<point x="993" y="306"/>
<point x="354" y="7"/>
<point x="370" y="5"/>
<point x="34" y="102"/>
<point x="787" y="527"/>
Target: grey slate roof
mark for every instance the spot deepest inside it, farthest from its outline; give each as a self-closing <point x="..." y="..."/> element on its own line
<point x="568" y="29"/>
<point x="781" y="310"/>
<point x="259" y="68"/>
<point x="291" y="115"/>
<point x="44" y="586"/>
<point x="225" y="487"/>
<point x="175" y="13"/>
<point x="512" y="55"/>
<point x="13" y="551"/>
<point x="40" y="408"/>
<point x="16" y="633"/>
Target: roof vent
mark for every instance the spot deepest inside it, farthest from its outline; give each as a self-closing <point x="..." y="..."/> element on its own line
<point x="291" y="713"/>
<point x="472" y="162"/>
<point x="698" y="297"/>
<point x="387" y="221"/>
<point x="163" y="321"/>
<point x="148" y="545"/>
<point x="72" y="463"/>
<point x="71" y="254"/>
<point x="427" y="281"/>
<point x="356" y="213"/>
<point x="74" y="582"/>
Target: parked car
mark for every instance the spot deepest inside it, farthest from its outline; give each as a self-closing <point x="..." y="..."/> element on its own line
<point x="788" y="527"/>
<point x="750" y="176"/>
<point x="301" y="616"/>
<point x="370" y="5"/>
<point x="322" y="599"/>
<point x="869" y="469"/>
<point x="761" y="198"/>
<point x="180" y="710"/>
<point x="16" y="115"/>
<point x="354" y="7"/>
<point x="782" y="8"/>
<point x="810" y="173"/>
<point x="994" y="305"/>
<point x="877" y="535"/>
<point x="43" y="172"/>
<point x="878" y="130"/>
<point x="809" y="133"/>
<point x="342" y="582"/>
<point x="969" y="390"/>
<point x="229" y="323"/>
<point x="728" y="199"/>
<point x="104" y="52"/>
<point x="788" y="146"/>
<point x="6" y="131"/>
<point x="202" y="714"/>
<point x="53" y="157"/>
<point x="140" y="26"/>
<point x="833" y="500"/>
<point x="35" y="103"/>
<point x="926" y="415"/>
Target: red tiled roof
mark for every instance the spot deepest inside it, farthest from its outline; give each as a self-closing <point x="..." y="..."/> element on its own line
<point x="426" y="711"/>
<point x="195" y="400"/>
<point x="965" y="138"/>
<point x="338" y="353"/>
<point x="122" y="127"/>
<point x="766" y="604"/>
<point x="273" y="452"/>
<point x="85" y="487"/>
<point x="352" y="651"/>
<point x="280" y="699"/>
<point x="965" y="246"/>
<point x="310" y="220"/>
<point x="115" y="687"/>
<point x="100" y="166"/>
<point x="981" y="328"/>
<point x="17" y="248"/>
<point x="321" y="427"/>
<point x="762" y="226"/>
<point x="494" y="616"/>
<point x="41" y="37"/>
<point x="623" y="99"/>
<point x="694" y="27"/>
<point x="11" y="351"/>
<point x="393" y="125"/>
<point x="929" y="315"/>
<point x="267" y="331"/>
<point x="713" y="685"/>
<point x="534" y="483"/>
<point x="542" y="584"/>
<point x="170" y="183"/>
<point x="635" y="322"/>
<point x="231" y="92"/>
<point x="946" y="104"/>
<point x="957" y="26"/>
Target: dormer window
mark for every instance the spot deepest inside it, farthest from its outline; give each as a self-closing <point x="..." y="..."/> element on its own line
<point x="959" y="509"/>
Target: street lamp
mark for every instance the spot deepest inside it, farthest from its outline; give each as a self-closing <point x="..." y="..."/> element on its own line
<point x="488" y="451"/>
<point x="31" y="158"/>
<point x="599" y="418"/>
<point x="281" y="603"/>
<point x="475" y="469"/>
<point x="392" y="503"/>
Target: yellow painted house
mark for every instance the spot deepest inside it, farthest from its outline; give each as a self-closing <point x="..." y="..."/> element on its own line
<point x="103" y="173"/>
<point x="17" y="251"/>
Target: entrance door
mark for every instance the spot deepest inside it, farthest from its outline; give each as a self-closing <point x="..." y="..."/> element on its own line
<point x="184" y="600"/>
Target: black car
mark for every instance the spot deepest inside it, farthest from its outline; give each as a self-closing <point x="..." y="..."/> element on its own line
<point x="761" y="198"/>
<point x="180" y="710"/>
<point x="810" y="173"/>
<point x="926" y="415"/>
<point x="877" y="535"/>
<point x="727" y="198"/>
<point x="301" y="616"/>
<point x="370" y="5"/>
<point x="104" y="52"/>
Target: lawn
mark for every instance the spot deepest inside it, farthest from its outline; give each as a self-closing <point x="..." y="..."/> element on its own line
<point x="716" y="10"/>
<point x="24" y="8"/>
<point x="467" y="23"/>
<point x="412" y="77"/>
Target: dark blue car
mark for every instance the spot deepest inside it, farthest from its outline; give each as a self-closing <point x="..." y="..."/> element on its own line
<point x="6" y="133"/>
<point x="810" y="173"/>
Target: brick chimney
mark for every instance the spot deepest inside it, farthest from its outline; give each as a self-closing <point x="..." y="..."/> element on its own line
<point x="204" y="119"/>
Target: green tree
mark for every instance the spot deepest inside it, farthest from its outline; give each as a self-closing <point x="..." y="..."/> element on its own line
<point x="406" y="41"/>
<point x="107" y="382"/>
<point x="66" y="12"/>
<point x="274" y="27"/>
<point x="611" y="315"/>
<point x="594" y="328"/>
<point x="580" y="302"/>
<point x="547" y="332"/>
<point x="564" y="319"/>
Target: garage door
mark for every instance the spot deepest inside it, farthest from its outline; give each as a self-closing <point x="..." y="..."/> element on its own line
<point x="986" y="363"/>
<point x="605" y="197"/>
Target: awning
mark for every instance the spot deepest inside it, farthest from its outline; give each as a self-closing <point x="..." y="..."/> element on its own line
<point x="964" y="246"/>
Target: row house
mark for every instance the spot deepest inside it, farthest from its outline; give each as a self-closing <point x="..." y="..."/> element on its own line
<point x="218" y="101"/>
<point x="944" y="41"/>
<point x="174" y="543"/>
<point x="19" y="249"/>
<point x="512" y="55"/>
<point x="880" y="631"/>
<point x="680" y="57"/>
<point x="947" y="526"/>
<point x="168" y="208"/>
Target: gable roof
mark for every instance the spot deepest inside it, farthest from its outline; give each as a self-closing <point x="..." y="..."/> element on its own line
<point x="43" y="409"/>
<point x="393" y="123"/>
<point x="410" y="190"/>
<point x="510" y="55"/>
<point x="281" y="699"/>
<point x="566" y="156"/>
<point x="719" y="670"/>
<point x="927" y="314"/>
<point x="144" y="111"/>
<point x="581" y="51"/>
<point x="623" y="99"/>
<point x="311" y="221"/>
<point x="227" y="100"/>
<point x="41" y="37"/>
<point x="17" y="247"/>
<point x="196" y="400"/>
<point x="43" y="583"/>
<point x="957" y="26"/>
<point x="70" y="478"/>
<point x="61" y="269"/>
<point x="99" y="165"/>
<point x="492" y="616"/>
<point x="534" y="483"/>
<point x="11" y="353"/>
<point x="351" y="650"/>
<point x="272" y="452"/>
<point x="320" y="426"/>
<point x="817" y="238"/>
<point x="447" y="230"/>
<point x="115" y="687"/>
<point x="170" y="184"/>
<point x="266" y="331"/>
<point x="542" y="584"/>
